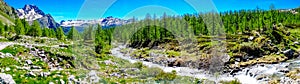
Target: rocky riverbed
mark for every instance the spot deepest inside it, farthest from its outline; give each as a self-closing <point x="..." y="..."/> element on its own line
<point x="257" y="74"/>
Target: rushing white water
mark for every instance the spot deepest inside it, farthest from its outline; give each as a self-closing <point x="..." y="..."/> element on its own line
<point x="246" y="76"/>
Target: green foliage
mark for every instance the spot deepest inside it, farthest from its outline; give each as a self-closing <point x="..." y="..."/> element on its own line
<point x="52" y="33"/>
<point x="26" y="26"/>
<point x="19" y="27"/>
<point x="138" y="65"/>
<point x="11" y="29"/>
<point x="35" y="29"/>
<point x="14" y="50"/>
<point x="5" y="62"/>
<point x="60" y="34"/>
<point x="88" y="34"/>
<point x="2" y="29"/>
<point x="102" y="39"/>
<point x="46" y="32"/>
<point x="166" y="76"/>
<point x="235" y="81"/>
<point x="73" y="34"/>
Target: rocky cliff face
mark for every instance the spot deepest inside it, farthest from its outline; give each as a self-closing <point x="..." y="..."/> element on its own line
<point x="32" y="12"/>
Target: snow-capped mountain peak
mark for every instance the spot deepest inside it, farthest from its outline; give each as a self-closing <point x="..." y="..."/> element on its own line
<point x="105" y="22"/>
<point x="32" y="12"/>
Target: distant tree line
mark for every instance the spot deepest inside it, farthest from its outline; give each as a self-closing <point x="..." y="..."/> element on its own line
<point x="155" y="29"/>
<point x="209" y="24"/>
<point x="22" y="27"/>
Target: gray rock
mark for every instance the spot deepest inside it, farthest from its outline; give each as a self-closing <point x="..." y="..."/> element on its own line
<point x="93" y="77"/>
<point x="71" y="78"/>
<point x="31" y="74"/>
<point x="1" y="53"/>
<point x="288" y="52"/>
<point x="9" y="55"/>
<point x="29" y="62"/>
<point x="43" y="55"/>
<point x="109" y="62"/>
<point x="251" y="38"/>
<point x="238" y="59"/>
<point x="7" y="69"/>
<point x="62" y="81"/>
<point x="6" y="79"/>
<point x="225" y="58"/>
<point x="45" y="74"/>
<point x="26" y="68"/>
<point x="296" y="43"/>
<point x="284" y="70"/>
<point x="51" y="83"/>
<point x="115" y="74"/>
<point x="35" y="67"/>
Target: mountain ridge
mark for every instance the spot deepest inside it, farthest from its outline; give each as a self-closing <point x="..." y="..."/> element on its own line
<point x="32" y="12"/>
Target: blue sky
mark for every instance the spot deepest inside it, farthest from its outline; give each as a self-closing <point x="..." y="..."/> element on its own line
<point x="95" y="9"/>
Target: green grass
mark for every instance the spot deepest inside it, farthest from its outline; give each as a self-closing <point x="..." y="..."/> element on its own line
<point x="231" y="82"/>
<point x="14" y="50"/>
<point x="3" y="40"/>
<point x="5" y="62"/>
<point x="173" y="53"/>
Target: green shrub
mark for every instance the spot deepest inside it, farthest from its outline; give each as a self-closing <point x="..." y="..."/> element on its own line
<point x="138" y="65"/>
<point x="14" y="50"/>
<point x="235" y="81"/>
<point x="163" y="76"/>
<point x="5" y="62"/>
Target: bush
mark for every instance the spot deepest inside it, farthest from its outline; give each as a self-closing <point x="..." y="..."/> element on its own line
<point x="5" y="62"/>
<point x="138" y="65"/>
<point x="235" y="81"/>
<point x="163" y="76"/>
<point x="150" y="72"/>
<point x="14" y="50"/>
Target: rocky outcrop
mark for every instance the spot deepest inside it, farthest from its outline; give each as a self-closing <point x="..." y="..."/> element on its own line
<point x="32" y="12"/>
<point x="6" y="79"/>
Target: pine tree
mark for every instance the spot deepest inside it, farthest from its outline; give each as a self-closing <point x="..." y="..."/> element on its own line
<point x="73" y="34"/>
<point x="88" y="33"/>
<point x="2" y="30"/>
<point x="19" y="27"/>
<point x="60" y="34"/>
<point x="99" y="40"/>
<point x="26" y="26"/>
<point x="46" y="32"/>
<point x="52" y="33"/>
<point x="35" y="29"/>
<point x="11" y="29"/>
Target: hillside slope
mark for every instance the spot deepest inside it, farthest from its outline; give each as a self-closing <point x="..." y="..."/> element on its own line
<point x="7" y="13"/>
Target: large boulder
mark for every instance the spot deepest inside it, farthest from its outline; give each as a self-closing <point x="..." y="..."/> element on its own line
<point x="6" y="79"/>
<point x="93" y="77"/>
<point x="289" y="53"/>
<point x="29" y="62"/>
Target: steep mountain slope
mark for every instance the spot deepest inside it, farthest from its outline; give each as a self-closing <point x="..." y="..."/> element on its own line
<point x="7" y="13"/>
<point x="32" y="12"/>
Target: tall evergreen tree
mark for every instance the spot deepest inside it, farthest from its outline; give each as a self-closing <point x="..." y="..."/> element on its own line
<point x="19" y="27"/>
<point x="35" y="29"/>
<point x="73" y="34"/>
<point x="2" y="30"/>
<point x="46" y="32"/>
<point x="88" y="33"/>
<point x="26" y="26"/>
<point x="99" y="40"/>
<point x="60" y="34"/>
